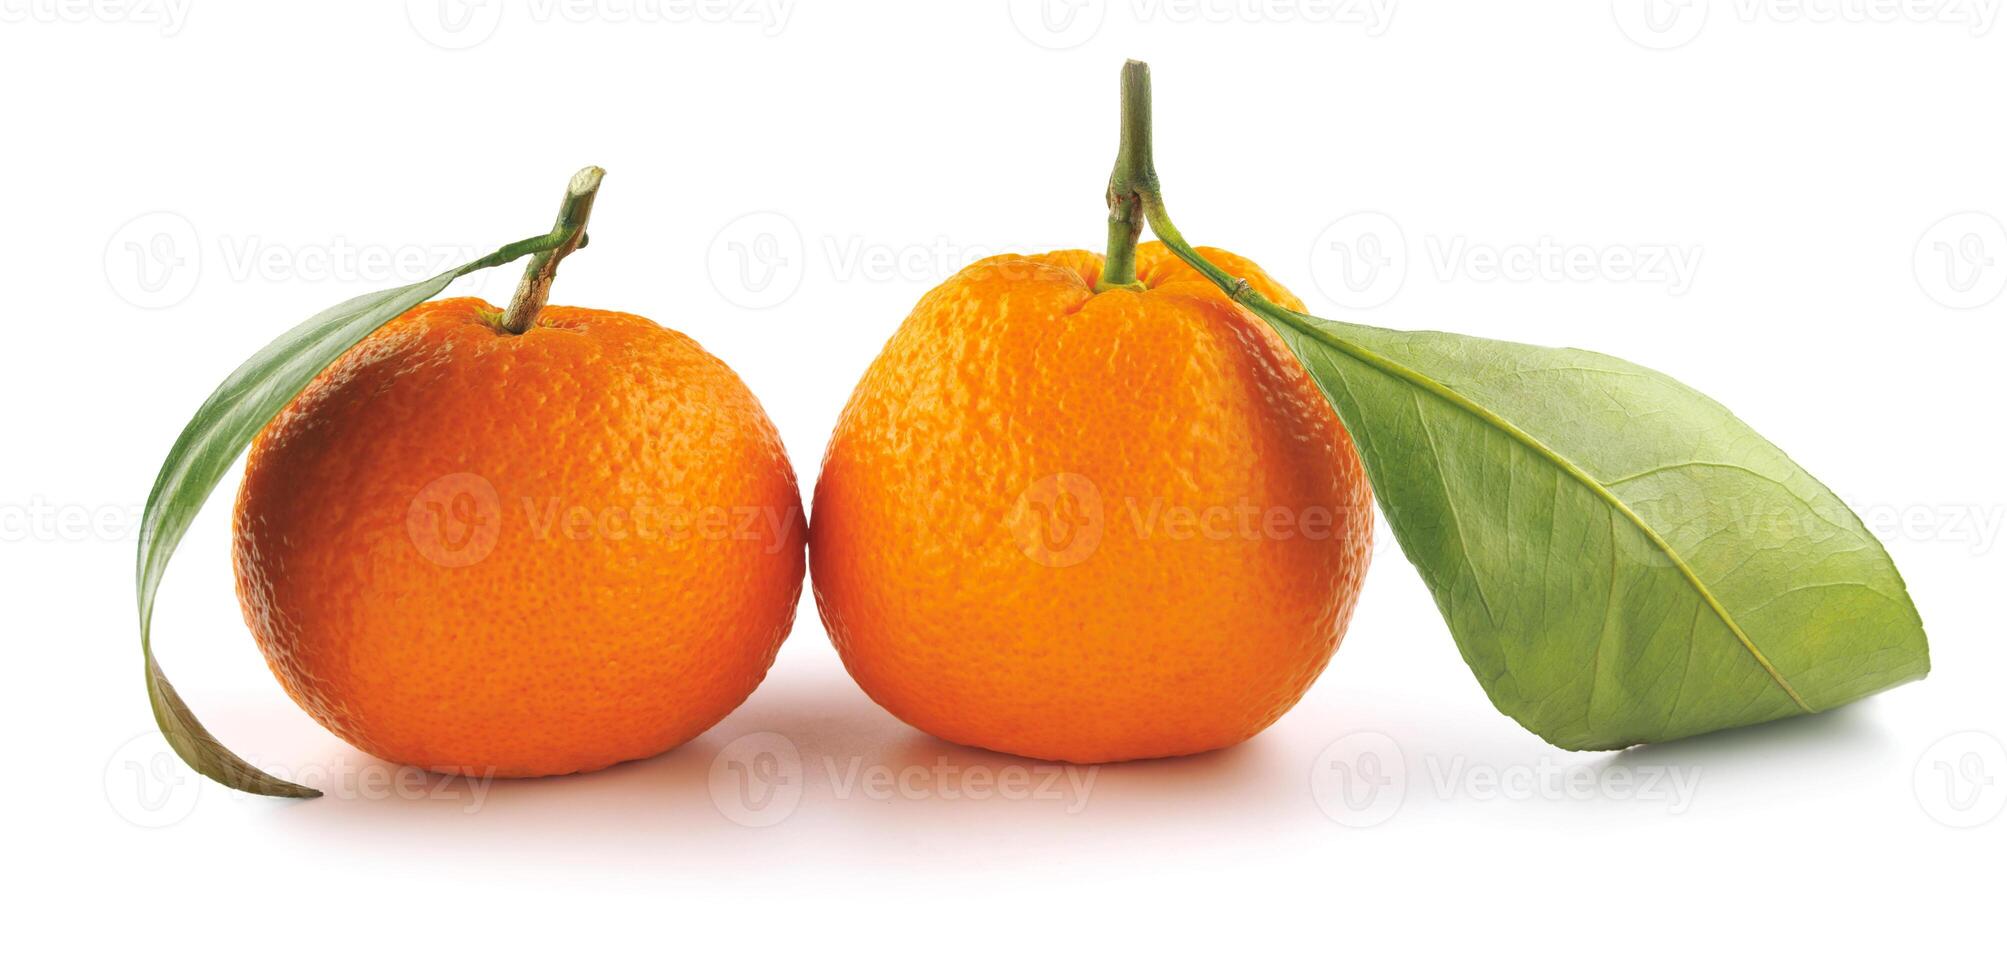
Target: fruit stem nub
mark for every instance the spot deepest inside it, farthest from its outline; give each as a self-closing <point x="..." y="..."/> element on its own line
<point x="535" y="288"/>
<point x="1133" y="183"/>
<point x="1135" y="198"/>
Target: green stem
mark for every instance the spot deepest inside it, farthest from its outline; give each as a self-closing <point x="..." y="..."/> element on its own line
<point x="1132" y="184"/>
<point x="1236" y="287"/>
<point x="535" y="288"/>
<point x="1135" y="197"/>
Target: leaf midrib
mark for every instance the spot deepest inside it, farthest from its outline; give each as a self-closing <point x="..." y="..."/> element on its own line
<point x="1396" y="369"/>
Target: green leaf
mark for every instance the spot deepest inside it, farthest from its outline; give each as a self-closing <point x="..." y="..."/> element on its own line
<point x="1620" y="559"/>
<point x="211" y="443"/>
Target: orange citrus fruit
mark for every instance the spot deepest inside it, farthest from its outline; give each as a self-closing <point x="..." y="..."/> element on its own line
<point x="1088" y="526"/>
<point x="471" y="550"/>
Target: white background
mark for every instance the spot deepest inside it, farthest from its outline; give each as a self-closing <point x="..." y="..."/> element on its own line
<point x="184" y="180"/>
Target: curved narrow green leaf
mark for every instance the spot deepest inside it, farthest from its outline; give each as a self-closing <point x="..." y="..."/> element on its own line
<point x="1619" y="558"/>
<point x="211" y="443"/>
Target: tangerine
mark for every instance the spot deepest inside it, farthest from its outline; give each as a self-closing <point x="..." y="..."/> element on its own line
<point x="469" y="549"/>
<point x="1088" y="526"/>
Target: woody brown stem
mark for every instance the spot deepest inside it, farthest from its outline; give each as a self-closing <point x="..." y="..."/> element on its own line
<point x="535" y="288"/>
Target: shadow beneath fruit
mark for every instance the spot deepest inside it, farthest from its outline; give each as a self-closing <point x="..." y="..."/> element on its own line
<point x="1797" y="758"/>
<point x="810" y="774"/>
<point x="1849" y="732"/>
<point x="809" y="760"/>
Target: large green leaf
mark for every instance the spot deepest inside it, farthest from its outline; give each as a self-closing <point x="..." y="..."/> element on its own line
<point x="211" y="443"/>
<point x="1620" y="559"/>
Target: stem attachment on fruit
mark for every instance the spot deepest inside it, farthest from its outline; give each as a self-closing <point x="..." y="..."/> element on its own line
<point x="535" y="288"/>
<point x="1133" y="183"/>
<point x="1135" y="198"/>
